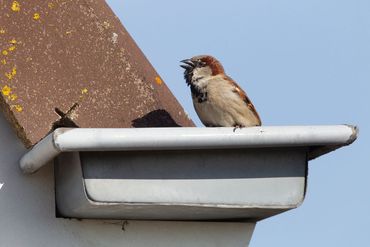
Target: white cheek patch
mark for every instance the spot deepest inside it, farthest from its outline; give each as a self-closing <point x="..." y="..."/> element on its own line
<point x="196" y="73"/>
<point x="200" y="75"/>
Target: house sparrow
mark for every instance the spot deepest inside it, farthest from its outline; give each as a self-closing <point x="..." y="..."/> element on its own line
<point x="217" y="99"/>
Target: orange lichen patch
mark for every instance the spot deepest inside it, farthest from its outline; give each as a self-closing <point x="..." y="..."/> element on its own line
<point x="3" y="61"/>
<point x="16" y="6"/>
<point x="4" y="52"/>
<point x="2" y="30"/>
<point x="36" y="16"/>
<point x="50" y="5"/>
<point x="13" y="41"/>
<point x="158" y="80"/>
<point x="12" y="48"/>
<point x="6" y="90"/>
<point x="18" y="108"/>
<point x="84" y="91"/>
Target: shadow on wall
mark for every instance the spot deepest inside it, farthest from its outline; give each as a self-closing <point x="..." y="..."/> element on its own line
<point x="157" y="118"/>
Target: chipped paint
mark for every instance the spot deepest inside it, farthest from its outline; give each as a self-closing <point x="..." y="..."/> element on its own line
<point x="106" y="24"/>
<point x="36" y="16"/>
<point x="16" y="6"/>
<point x="6" y="90"/>
<point x="158" y="80"/>
<point x="114" y="38"/>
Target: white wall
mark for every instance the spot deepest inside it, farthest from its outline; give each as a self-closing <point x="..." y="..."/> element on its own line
<point x="27" y="215"/>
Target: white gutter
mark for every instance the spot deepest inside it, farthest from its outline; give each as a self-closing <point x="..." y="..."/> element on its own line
<point x="88" y="139"/>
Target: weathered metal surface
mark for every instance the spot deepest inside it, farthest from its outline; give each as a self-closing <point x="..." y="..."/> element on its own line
<point x="72" y="63"/>
<point x="27" y="216"/>
<point x="318" y="140"/>
<point x="233" y="184"/>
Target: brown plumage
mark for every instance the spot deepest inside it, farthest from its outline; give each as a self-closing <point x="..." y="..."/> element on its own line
<point x="218" y="100"/>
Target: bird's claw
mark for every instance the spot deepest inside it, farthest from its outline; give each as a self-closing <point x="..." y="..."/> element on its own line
<point x="237" y="127"/>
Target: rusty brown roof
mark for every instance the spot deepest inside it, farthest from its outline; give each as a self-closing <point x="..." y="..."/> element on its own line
<point x="72" y="63"/>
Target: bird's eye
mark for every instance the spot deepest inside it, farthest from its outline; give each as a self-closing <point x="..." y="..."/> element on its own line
<point x="201" y="63"/>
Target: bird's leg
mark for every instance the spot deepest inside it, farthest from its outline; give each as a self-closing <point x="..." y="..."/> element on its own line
<point x="237" y="126"/>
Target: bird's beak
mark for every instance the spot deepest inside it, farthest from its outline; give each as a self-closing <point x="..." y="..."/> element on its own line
<point x="188" y="64"/>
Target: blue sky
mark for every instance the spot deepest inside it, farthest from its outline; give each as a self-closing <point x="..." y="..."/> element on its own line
<point x="301" y="63"/>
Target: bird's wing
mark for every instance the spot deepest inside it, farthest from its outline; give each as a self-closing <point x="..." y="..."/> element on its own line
<point x="245" y="98"/>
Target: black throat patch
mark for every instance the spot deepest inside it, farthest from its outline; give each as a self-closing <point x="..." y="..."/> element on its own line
<point x="199" y="93"/>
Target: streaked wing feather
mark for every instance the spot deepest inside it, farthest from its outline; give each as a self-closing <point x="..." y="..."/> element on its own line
<point x="243" y="95"/>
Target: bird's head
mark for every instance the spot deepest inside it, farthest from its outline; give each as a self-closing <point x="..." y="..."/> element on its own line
<point x="201" y="67"/>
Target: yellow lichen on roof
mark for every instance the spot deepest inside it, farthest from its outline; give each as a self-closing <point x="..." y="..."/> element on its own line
<point x="16" y="6"/>
<point x="6" y="90"/>
<point x="11" y="74"/>
<point x="13" y="97"/>
<point x="18" y="108"/>
<point x="36" y="16"/>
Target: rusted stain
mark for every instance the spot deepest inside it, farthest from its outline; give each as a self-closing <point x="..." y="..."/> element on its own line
<point x="67" y="52"/>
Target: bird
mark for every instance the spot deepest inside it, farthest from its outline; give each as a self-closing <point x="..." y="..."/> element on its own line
<point x="218" y="100"/>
